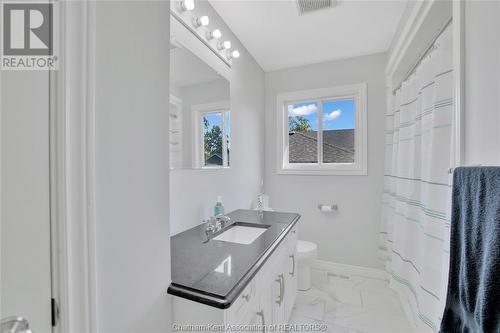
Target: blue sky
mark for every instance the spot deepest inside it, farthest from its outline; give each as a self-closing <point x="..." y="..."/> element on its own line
<point x="339" y="114"/>
<point x="213" y="119"/>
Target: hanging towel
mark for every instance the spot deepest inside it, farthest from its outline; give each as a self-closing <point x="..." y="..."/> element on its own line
<point x="473" y="298"/>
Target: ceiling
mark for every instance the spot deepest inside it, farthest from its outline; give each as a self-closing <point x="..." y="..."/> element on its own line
<point x="186" y="69"/>
<point x="277" y="37"/>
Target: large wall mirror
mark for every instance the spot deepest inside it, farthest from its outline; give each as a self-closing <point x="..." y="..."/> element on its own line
<point x="200" y="113"/>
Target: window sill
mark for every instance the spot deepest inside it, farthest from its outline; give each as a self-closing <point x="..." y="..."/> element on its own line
<point x="325" y="171"/>
<point x="213" y="167"/>
<point x="201" y="168"/>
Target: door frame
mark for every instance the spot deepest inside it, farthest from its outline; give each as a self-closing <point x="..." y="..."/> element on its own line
<point x="72" y="169"/>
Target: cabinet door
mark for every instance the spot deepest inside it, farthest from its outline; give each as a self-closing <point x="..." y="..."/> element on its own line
<point x="265" y="289"/>
<point x="277" y="284"/>
<point x="255" y="321"/>
<point x="244" y="306"/>
<point x="252" y="319"/>
<point x="270" y="286"/>
<point x="279" y="287"/>
<point x="290" y="273"/>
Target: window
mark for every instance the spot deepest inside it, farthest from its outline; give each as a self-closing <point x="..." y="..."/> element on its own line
<point x="212" y="135"/>
<point x="323" y="131"/>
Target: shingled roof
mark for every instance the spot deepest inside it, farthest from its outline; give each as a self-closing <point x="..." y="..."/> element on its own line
<point x="338" y="146"/>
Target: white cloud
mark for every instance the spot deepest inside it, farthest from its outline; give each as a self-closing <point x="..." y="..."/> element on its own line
<point x="303" y="110"/>
<point x="333" y="115"/>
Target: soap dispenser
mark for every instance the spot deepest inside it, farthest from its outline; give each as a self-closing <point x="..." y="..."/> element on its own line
<point x="219" y="207"/>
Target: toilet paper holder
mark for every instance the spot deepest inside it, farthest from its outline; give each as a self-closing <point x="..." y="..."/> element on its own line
<point x="328" y="208"/>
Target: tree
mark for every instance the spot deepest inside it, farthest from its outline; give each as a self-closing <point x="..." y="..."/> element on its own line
<point x="213" y="142"/>
<point x="299" y="124"/>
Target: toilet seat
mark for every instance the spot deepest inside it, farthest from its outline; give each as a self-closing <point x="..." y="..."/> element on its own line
<point x="306" y="249"/>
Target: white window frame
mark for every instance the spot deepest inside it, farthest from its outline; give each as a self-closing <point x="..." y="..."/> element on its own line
<point x="358" y="92"/>
<point x="198" y="111"/>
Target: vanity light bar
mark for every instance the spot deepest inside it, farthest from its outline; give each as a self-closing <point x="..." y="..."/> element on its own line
<point x="224" y="46"/>
<point x="186" y="5"/>
<point x="235" y="54"/>
<point x="201" y="21"/>
<point x="214" y="34"/>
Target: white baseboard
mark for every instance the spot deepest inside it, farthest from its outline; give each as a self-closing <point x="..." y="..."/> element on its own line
<point x="343" y="269"/>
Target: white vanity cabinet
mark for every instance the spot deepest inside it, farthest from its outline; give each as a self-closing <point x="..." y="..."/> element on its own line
<point x="290" y="273"/>
<point x="267" y="299"/>
<point x="247" y="307"/>
<point x="273" y="274"/>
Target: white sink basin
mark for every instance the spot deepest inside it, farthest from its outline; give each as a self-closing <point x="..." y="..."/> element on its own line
<point x="241" y="234"/>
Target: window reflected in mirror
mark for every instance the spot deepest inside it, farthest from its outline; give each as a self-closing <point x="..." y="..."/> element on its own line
<point x="215" y="134"/>
<point x="200" y="128"/>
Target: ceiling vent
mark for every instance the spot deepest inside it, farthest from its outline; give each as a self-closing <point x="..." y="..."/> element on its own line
<point x="309" y="6"/>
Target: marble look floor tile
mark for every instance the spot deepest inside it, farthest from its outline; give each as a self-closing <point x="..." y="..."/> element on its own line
<point x="381" y="302"/>
<point x="350" y="305"/>
<point x="334" y="328"/>
<point x="354" y="330"/>
<point x="309" y="296"/>
<point x="372" y="284"/>
<point x="315" y="310"/>
<point x="374" y="323"/>
<point x="296" y="318"/>
<point x="344" y="280"/>
<point x="344" y="311"/>
<point x="343" y="294"/>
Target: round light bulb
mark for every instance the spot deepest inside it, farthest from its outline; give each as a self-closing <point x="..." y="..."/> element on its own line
<point x="216" y="33"/>
<point x="187" y="4"/>
<point x="235" y="54"/>
<point x="226" y="44"/>
<point x="200" y="21"/>
<point x="204" y="20"/>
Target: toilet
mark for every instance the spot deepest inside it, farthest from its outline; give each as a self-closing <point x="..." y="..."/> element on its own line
<point x="306" y="253"/>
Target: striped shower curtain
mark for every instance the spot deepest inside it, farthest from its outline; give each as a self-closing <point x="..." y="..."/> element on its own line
<point x="415" y="221"/>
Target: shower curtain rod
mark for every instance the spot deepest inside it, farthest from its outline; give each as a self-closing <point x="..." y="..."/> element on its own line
<point x="422" y="56"/>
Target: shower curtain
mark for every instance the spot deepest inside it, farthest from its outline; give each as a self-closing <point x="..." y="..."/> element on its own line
<point x="415" y="220"/>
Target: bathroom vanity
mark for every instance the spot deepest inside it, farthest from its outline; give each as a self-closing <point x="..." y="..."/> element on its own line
<point x="245" y="274"/>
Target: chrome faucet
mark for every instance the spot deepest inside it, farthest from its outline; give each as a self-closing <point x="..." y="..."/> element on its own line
<point x="210" y="227"/>
<point x="222" y="221"/>
<point x="215" y="224"/>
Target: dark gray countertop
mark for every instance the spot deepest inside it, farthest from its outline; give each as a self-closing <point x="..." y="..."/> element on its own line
<point x="215" y="272"/>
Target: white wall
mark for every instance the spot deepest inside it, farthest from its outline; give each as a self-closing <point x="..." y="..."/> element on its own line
<point x="351" y="235"/>
<point x="482" y="82"/>
<point x="132" y="169"/>
<point x="25" y="236"/>
<point x="193" y="192"/>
